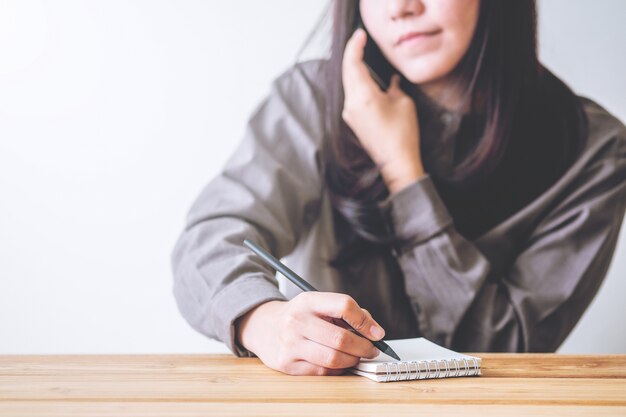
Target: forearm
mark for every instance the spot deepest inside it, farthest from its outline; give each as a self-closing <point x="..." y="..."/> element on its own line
<point x="443" y="276"/>
<point x="217" y="280"/>
<point x="462" y="300"/>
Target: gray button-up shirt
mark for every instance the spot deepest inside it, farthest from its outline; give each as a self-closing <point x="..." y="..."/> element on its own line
<point x="454" y="291"/>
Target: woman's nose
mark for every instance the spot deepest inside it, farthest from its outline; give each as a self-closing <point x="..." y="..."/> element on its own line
<point x="399" y="9"/>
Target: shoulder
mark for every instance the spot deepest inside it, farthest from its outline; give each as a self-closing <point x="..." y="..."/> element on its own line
<point x="307" y="75"/>
<point x="594" y="185"/>
<point x="296" y="102"/>
<point x="303" y="83"/>
<point x="290" y="120"/>
<point x="606" y="133"/>
<point x="601" y="167"/>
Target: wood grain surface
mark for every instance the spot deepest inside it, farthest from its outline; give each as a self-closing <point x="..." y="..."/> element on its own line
<point x="194" y="385"/>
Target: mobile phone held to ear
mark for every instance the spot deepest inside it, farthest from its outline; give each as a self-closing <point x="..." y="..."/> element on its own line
<point x="378" y="66"/>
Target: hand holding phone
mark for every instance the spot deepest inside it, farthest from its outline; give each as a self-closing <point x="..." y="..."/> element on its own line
<point x="385" y="122"/>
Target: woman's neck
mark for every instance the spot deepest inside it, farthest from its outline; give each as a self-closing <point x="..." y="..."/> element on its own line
<point x="444" y="95"/>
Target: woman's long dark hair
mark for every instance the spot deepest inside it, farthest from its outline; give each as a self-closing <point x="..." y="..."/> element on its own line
<point x="529" y="117"/>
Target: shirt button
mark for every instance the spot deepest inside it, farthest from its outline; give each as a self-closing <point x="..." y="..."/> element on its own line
<point x="446" y="118"/>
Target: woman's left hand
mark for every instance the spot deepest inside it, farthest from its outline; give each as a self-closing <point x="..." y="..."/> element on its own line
<point x="385" y="122"/>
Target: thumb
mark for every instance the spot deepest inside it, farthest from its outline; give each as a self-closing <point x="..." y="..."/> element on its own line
<point x="375" y="329"/>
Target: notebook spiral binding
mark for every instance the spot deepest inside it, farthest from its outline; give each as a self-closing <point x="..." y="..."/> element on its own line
<point x="411" y="370"/>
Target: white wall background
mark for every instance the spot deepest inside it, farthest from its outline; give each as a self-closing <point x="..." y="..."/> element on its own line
<point x="114" y="114"/>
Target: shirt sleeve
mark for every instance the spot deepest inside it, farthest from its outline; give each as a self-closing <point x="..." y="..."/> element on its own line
<point x="462" y="301"/>
<point x="269" y="191"/>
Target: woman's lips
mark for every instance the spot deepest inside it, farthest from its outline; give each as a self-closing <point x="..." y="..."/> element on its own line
<point x="415" y="37"/>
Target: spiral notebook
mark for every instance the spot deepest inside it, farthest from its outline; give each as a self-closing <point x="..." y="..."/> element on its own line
<point x="421" y="359"/>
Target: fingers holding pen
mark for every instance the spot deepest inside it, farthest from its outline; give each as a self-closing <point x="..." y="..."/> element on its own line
<point x="326" y="357"/>
<point x="340" y="339"/>
<point x="342" y="306"/>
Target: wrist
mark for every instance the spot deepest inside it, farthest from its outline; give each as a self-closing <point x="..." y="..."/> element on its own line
<point x="397" y="181"/>
<point x="252" y="324"/>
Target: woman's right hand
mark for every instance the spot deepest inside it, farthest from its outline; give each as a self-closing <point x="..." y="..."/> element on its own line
<point x="303" y="336"/>
<point x="384" y="122"/>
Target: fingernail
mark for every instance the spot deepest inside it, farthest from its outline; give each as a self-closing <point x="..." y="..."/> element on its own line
<point x="377" y="332"/>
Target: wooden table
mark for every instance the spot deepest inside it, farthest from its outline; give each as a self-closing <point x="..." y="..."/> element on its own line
<point x="201" y="385"/>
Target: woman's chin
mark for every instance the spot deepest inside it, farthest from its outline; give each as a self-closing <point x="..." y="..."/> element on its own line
<point x="423" y="72"/>
<point x="421" y="78"/>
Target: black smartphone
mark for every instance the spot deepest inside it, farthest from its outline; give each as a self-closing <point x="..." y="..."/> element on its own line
<point x="379" y="67"/>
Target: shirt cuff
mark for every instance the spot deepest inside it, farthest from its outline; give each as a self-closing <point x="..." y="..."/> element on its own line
<point x="235" y="300"/>
<point x="417" y="213"/>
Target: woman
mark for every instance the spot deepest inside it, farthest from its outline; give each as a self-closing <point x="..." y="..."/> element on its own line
<point x="476" y="201"/>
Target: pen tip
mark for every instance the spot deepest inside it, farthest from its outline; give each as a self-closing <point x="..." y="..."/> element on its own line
<point x="391" y="353"/>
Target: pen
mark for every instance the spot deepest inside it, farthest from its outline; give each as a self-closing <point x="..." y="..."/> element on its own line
<point x="305" y="286"/>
